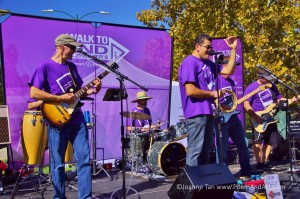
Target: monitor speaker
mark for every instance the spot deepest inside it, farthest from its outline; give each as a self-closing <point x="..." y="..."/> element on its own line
<point x="213" y="181"/>
<point x="4" y="126"/>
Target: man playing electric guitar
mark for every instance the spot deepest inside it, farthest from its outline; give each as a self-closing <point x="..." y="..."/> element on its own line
<point x="232" y="128"/>
<point x="260" y="108"/>
<point x="50" y="83"/>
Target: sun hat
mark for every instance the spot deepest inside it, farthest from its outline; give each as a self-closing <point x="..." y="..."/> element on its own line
<point x="141" y="95"/>
<point x="65" y="39"/>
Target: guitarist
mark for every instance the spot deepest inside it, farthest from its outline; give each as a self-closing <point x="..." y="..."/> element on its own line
<point x="232" y="128"/>
<point x="50" y="83"/>
<point x="262" y="142"/>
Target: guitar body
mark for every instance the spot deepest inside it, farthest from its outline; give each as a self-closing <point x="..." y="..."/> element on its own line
<point x="57" y="114"/>
<point x="267" y="116"/>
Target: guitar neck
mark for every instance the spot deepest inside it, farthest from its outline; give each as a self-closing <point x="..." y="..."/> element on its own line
<point x="83" y="90"/>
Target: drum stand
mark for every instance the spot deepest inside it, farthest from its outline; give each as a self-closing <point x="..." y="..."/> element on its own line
<point x="95" y="163"/>
<point x="38" y="188"/>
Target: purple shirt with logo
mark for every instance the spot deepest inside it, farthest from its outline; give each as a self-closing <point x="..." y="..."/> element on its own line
<point x="201" y="73"/>
<point x="226" y="84"/>
<point x="56" y="79"/>
<point x="140" y="123"/>
<point x="264" y="98"/>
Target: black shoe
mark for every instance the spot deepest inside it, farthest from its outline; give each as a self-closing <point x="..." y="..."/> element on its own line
<point x="268" y="167"/>
<point x="260" y="167"/>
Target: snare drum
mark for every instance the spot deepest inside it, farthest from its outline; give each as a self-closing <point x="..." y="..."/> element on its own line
<point x="178" y="131"/>
<point x="33" y="137"/>
<point x="166" y="158"/>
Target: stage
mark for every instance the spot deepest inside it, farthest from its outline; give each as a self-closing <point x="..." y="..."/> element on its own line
<point x="144" y="185"/>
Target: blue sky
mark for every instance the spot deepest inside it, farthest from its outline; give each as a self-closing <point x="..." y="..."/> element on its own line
<point x="122" y="11"/>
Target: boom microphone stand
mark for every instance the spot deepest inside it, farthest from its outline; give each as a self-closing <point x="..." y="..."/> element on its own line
<point x="218" y="116"/>
<point x="122" y="95"/>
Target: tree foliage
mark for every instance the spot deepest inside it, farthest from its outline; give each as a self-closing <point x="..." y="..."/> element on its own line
<point x="269" y="29"/>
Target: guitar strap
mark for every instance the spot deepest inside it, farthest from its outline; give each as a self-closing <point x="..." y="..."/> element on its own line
<point x="72" y="77"/>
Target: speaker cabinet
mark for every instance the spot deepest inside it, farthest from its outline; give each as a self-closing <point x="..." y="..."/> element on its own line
<point x="213" y="181"/>
<point x="4" y="126"/>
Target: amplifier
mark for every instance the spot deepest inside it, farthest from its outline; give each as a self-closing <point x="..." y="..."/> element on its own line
<point x="4" y="126"/>
<point x="294" y="127"/>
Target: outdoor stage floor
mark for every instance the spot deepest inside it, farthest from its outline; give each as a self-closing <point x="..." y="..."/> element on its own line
<point x="158" y="187"/>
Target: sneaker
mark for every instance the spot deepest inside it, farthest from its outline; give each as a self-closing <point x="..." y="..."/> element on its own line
<point x="259" y="167"/>
<point x="268" y="167"/>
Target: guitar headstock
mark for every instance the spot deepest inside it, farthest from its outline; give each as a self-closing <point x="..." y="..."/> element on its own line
<point x="265" y="86"/>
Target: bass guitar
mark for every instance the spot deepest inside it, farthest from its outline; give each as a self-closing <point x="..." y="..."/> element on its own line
<point x="59" y="114"/>
<point x="267" y="116"/>
<point x="225" y="116"/>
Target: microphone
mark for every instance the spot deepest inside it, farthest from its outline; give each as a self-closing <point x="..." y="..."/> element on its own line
<point x="226" y="62"/>
<point x="275" y="79"/>
<point x="212" y="52"/>
<point x="287" y="76"/>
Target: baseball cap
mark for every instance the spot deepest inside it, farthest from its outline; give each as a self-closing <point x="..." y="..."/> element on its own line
<point x="262" y="73"/>
<point x="65" y="39"/>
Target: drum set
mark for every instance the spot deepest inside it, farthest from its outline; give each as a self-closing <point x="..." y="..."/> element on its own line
<point x="156" y="151"/>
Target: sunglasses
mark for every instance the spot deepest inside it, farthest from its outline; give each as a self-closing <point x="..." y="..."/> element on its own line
<point x="208" y="47"/>
<point x="71" y="47"/>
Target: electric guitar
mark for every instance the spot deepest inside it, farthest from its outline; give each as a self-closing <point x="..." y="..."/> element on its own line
<point x="267" y="116"/>
<point x="227" y="115"/>
<point x="58" y="114"/>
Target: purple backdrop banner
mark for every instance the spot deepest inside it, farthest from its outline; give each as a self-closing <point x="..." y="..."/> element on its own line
<point x="143" y="55"/>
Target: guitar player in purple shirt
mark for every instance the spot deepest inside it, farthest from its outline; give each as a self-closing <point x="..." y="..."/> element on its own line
<point x="51" y="82"/>
<point x="231" y="126"/>
<point x="264" y="128"/>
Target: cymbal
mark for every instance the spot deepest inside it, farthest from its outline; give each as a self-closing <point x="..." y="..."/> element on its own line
<point x="136" y="116"/>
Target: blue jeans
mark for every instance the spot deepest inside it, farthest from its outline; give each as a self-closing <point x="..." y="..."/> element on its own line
<point x="200" y="139"/>
<point x="234" y="129"/>
<point x="58" y="140"/>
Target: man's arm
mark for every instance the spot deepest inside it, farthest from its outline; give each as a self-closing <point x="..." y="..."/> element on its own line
<point x="38" y="94"/>
<point x="251" y="112"/>
<point x="193" y="91"/>
<point x="229" y="68"/>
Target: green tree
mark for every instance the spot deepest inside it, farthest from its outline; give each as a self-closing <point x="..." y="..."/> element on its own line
<point x="269" y="29"/>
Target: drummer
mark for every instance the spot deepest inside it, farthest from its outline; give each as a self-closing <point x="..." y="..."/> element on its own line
<point x="141" y="121"/>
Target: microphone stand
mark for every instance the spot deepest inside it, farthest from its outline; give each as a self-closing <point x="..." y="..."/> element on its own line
<point x="293" y="178"/>
<point x="218" y="116"/>
<point x="122" y="95"/>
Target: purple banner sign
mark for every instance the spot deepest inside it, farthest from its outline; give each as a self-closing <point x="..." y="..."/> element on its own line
<point x="143" y="55"/>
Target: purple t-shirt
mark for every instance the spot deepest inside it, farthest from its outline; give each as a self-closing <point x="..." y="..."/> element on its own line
<point x="140" y="123"/>
<point x="262" y="99"/>
<point x="56" y="79"/>
<point x="201" y="73"/>
<point x="226" y="84"/>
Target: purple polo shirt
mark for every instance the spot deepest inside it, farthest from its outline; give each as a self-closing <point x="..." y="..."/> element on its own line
<point x="201" y="73"/>
<point x="56" y="79"/>
<point x="262" y="99"/>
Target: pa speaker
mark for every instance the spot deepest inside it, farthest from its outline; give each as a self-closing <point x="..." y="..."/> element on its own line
<point x="4" y="125"/>
<point x="213" y="181"/>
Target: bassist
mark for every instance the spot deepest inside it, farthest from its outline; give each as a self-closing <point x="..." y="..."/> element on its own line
<point x="263" y="102"/>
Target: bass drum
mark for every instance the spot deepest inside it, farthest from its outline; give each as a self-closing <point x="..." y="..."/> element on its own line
<point x="166" y="158"/>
